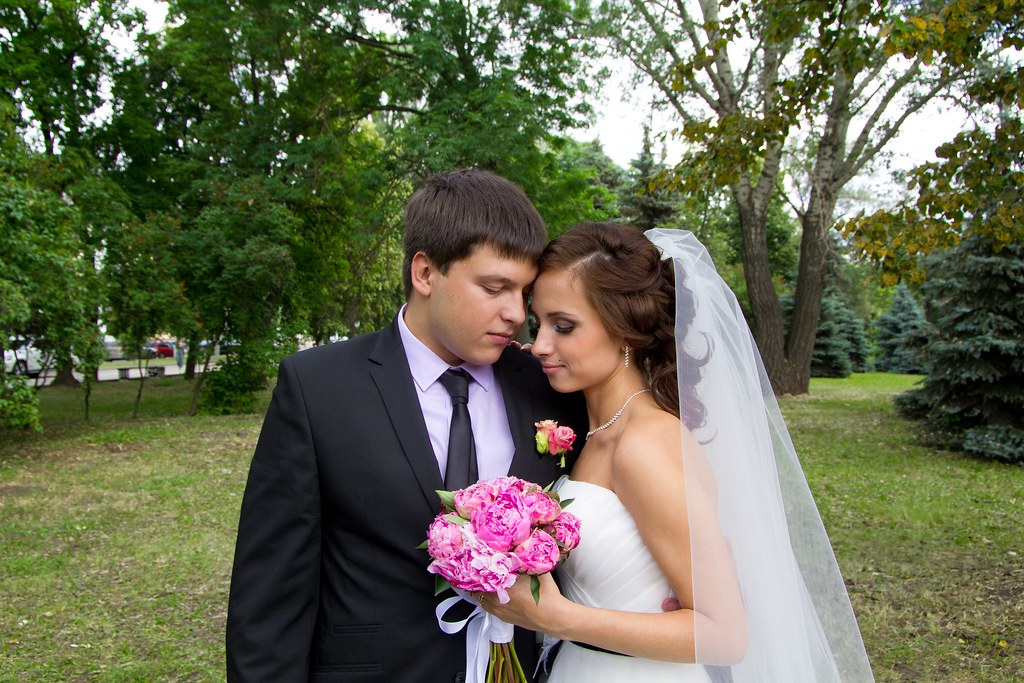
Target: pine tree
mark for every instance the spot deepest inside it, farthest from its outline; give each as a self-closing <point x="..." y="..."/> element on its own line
<point x="974" y="388"/>
<point x="648" y="205"/>
<point x="840" y="346"/>
<point x="856" y="336"/>
<point x="896" y="333"/>
<point x="831" y="356"/>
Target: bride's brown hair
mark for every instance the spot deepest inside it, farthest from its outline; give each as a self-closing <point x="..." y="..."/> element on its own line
<point x="633" y="291"/>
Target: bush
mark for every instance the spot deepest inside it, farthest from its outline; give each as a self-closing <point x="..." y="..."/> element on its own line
<point x="233" y="387"/>
<point x="19" y="404"/>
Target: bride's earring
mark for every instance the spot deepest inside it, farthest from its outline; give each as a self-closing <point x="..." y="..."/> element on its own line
<point x="627" y="356"/>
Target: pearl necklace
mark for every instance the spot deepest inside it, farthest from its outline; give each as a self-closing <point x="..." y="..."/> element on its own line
<point x="617" y="415"/>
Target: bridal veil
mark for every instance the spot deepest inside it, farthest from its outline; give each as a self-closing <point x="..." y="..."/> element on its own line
<point x="801" y="626"/>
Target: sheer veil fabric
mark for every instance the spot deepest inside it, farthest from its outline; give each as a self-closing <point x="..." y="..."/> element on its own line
<point x="801" y="626"/>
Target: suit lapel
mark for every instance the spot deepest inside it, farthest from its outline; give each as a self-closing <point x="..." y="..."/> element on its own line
<point x="390" y="372"/>
<point x="518" y="404"/>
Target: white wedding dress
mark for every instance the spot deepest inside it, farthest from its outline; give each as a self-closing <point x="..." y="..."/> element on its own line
<point x="612" y="569"/>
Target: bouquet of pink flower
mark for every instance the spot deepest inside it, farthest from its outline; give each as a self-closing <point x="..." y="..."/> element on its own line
<point x="491" y="533"/>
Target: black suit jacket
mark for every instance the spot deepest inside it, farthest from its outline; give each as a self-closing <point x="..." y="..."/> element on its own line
<point x="328" y="584"/>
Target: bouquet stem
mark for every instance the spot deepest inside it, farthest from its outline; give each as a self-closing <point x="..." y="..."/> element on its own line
<point x="504" y="666"/>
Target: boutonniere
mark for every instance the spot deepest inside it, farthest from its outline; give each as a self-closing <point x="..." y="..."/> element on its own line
<point x="553" y="439"/>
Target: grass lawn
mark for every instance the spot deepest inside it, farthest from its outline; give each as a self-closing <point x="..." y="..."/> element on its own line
<point x="116" y="536"/>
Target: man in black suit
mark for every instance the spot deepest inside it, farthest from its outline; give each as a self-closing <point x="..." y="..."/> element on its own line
<point x="328" y="583"/>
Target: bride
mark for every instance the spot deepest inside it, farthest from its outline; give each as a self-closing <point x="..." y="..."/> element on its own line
<point x="687" y="484"/>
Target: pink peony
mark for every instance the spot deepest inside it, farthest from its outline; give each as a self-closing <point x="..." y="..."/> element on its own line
<point x="477" y="567"/>
<point x="566" y="530"/>
<point x="475" y="497"/>
<point x="503" y="523"/>
<point x="515" y="485"/>
<point x="539" y="553"/>
<point x="542" y="507"/>
<point x="444" y="538"/>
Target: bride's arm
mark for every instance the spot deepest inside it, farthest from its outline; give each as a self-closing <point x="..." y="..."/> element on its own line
<point x="648" y="477"/>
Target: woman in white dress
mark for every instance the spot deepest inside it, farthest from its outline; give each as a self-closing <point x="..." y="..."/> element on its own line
<point x="687" y="484"/>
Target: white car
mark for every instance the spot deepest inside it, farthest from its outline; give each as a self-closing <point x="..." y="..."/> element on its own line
<point x="25" y="360"/>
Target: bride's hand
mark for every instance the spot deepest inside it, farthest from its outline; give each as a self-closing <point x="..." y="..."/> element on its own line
<point x="522" y="610"/>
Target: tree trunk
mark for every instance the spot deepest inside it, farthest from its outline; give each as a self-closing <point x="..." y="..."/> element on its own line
<point x="198" y="386"/>
<point x="142" y="383"/>
<point x="191" y="358"/>
<point x="64" y="375"/>
<point x="88" y="394"/>
<point x="766" y="324"/>
<point x="810" y="285"/>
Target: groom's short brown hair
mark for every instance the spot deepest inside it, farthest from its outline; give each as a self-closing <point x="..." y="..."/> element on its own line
<point x="453" y="213"/>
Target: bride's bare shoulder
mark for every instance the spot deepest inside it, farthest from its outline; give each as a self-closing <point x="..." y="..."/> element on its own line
<point x="657" y="446"/>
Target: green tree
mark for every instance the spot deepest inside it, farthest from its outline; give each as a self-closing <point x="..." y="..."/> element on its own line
<point x="144" y="293"/>
<point x="55" y="57"/>
<point x="649" y="204"/>
<point x="55" y="62"/>
<point x="855" y="331"/>
<point x="832" y="350"/>
<point x="975" y="185"/>
<point x="604" y="183"/>
<point x="742" y="77"/>
<point x="44" y="281"/>
<point x="974" y="386"/>
<point x="240" y="270"/>
<point x="898" y="332"/>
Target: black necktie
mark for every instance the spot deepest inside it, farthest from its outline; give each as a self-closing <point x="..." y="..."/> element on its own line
<point x="461" y="470"/>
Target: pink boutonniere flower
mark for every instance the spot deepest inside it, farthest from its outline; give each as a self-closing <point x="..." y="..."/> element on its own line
<point x="554" y="439"/>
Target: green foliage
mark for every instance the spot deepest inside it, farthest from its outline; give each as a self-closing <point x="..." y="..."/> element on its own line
<point x="55" y="57"/>
<point x="975" y="186"/>
<point x="235" y="386"/>
<point x="855" y="332"/>
<point x="47" y="275"/>
<point x="975" y="353"/>
<point x="19" y="404"/>
<point x="999" y="442"/>
<point x="814" y="90"/>
<point x="831" y="356"/>
<point x="898" y="335"/>
<point x="649" y="204"/>
<point x="841" y="345"/>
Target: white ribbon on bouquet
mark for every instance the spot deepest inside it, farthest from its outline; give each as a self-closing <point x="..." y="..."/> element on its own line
<point x="482" y="629"/>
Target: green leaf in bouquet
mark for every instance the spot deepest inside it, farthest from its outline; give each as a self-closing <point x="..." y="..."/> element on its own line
<point x="565" y="503"/>
<point x="441" y="584"/>
<point x="447" y="499"/>
<point x="456" y="518"/>
<point x="423" y="546"/>
<point x="535" y="589"/>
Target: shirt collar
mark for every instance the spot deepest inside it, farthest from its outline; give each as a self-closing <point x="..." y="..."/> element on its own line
<point x="426" y="366"/>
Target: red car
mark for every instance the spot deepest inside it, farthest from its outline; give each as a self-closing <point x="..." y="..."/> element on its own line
<point x="160" y="349"/>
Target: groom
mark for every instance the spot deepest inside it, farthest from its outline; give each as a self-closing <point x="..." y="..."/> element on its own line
<point x="327" y="583"/>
